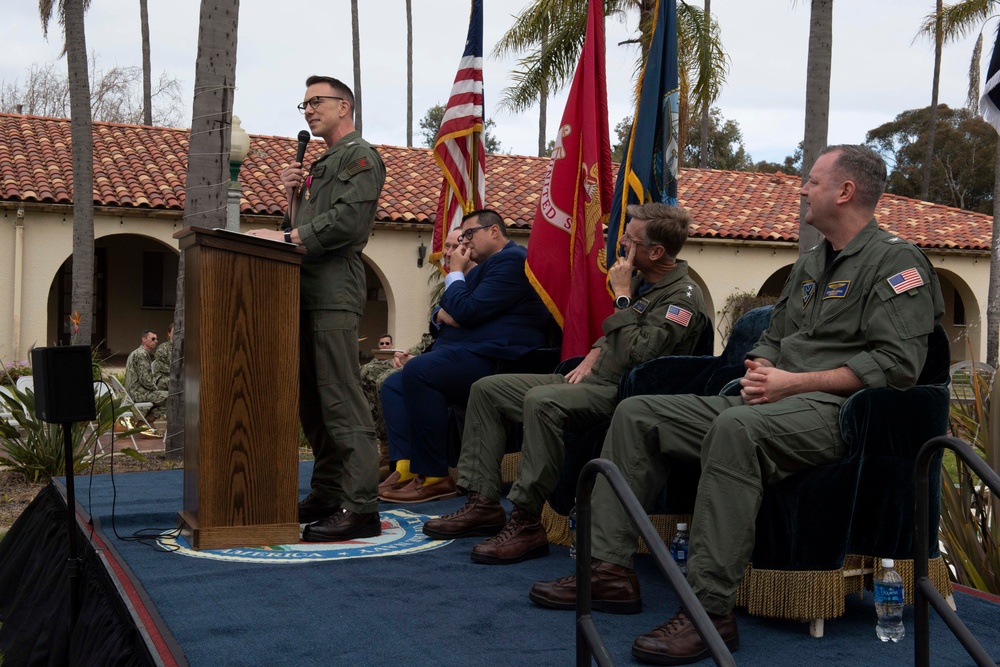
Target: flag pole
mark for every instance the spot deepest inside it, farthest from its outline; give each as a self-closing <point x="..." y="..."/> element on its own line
<point x="470" y="204"/>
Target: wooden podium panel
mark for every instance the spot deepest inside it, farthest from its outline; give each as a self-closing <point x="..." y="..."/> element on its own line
<point x="241" y="391"/>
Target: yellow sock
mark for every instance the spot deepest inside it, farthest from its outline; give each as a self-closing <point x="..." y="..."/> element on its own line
<point x="431" y="480"/>
<point x="403" y="468"/>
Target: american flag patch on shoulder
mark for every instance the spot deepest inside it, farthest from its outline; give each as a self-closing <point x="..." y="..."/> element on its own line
<point x="679" y="315"/>
<point x="905" y="281"/>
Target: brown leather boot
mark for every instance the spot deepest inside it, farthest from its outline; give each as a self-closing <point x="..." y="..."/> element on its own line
<point x="677" y="642"/>
<point x="522" y="538"/>
<point x="613" y="589"/>
<point x="480" y="516"/>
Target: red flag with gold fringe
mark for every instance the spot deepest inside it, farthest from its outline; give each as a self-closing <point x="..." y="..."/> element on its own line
<point x="566" y="253"/>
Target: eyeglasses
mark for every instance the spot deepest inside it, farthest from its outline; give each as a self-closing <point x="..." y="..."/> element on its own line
<point x="314" y="102"/>
<point x="628" y="238"/>
<point x="471" y="231"/>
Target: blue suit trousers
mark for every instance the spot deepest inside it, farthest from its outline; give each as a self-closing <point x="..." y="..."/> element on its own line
<point x="415" y="404"/>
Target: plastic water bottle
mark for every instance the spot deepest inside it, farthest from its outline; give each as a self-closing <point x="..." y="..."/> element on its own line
<point x="572" y="532"/>
<point x="679" y="547"/>
<point x="889" y="603"/>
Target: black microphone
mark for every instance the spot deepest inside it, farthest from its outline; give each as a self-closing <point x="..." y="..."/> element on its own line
<point x="304" y="138"/>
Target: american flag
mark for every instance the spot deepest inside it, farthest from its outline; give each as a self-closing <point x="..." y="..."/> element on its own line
<point x="459" y="149"/>
<point x="679" y="315"/>
<point x="905" y="280"/>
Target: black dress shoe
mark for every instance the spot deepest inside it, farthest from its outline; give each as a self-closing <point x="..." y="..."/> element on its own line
<point x="313" y="509"/>
<point x="342" y="526"/>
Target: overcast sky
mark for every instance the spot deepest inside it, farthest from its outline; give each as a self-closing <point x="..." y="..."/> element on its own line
<point x="878" y="68"/>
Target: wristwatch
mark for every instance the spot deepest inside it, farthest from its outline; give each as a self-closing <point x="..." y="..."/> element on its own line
<point x="288" y="236"/>
<point x="622" y="302"/>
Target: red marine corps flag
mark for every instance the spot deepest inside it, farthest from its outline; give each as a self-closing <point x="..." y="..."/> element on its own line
<point x="566" y="263"/>
<point x="459" y="149"/>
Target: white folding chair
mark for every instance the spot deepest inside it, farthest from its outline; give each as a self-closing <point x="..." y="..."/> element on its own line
<point x="138" y="409"/>
<point x="5" y="408"/>
<point x="101" y="391"/>
<point x="26" y="382"/>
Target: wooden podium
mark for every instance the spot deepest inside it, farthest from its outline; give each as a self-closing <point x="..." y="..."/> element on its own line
<point x="241" y="392"/>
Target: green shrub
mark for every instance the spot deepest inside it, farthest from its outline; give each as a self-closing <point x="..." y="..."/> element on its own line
<point x="14" y="370"/>
<point x="35" y="448"/>
<point x="969" y="532"/>
<point x="738" y="304"/>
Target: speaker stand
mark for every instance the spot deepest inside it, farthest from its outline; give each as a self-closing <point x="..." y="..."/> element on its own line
<point x="73" y="565"/>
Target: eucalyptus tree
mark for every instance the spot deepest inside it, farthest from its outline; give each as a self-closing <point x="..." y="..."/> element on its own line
<point x="562" y="25"/>
<point x="70" y="15"/>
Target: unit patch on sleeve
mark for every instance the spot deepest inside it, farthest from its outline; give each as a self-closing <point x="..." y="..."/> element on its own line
<point x="905" y="281"/>
<point x="359" y="165"/>
<point x="836" y="289"/>
<point x="808" y="289"/>
<point x="640" y="306"/>
<point x="679" y="315"/>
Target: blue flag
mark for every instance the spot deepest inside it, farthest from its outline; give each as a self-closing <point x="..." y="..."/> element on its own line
<point x="648" y="171"/>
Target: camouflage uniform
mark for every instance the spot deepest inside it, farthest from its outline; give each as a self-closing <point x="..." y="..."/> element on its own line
<point x="141" y="386"/>
<point x="373" y="374"/>
<point x="161" y="364"/>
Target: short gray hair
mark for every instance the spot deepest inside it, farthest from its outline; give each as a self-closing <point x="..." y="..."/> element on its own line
<point x="864" y="167"/>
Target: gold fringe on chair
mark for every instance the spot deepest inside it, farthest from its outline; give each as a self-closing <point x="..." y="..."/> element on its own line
<point x="937" y="572"/>
<point x="509" y="467"/>
<point x="557" y="527"/>
<point x="792" y="595"/>
<point x="820" y="594"/>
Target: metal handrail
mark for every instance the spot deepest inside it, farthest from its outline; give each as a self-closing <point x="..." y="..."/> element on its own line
<point x="589" y="645"/>
<point x="926" y="594"/>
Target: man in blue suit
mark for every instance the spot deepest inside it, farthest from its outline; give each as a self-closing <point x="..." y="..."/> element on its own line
<point x="487" y="313"/>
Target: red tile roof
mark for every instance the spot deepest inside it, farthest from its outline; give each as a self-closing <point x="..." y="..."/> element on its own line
<point x="145" y="167"/>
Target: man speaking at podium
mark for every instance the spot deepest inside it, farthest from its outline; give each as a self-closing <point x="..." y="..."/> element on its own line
<point x="331" y="212"/>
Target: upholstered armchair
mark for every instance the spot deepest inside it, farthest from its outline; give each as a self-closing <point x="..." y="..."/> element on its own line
<point x="822" y="532"/>
<point x="703" y="374"/>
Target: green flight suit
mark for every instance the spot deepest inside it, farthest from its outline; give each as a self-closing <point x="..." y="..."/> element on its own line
<point x="548" y="404"/>
<point x="335" y="214"/>
<point x="847" y="314"/>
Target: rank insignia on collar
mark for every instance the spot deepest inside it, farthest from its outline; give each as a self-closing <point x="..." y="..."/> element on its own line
<point x="808" y="289"/>
<point x="836" y="289"/>
<point x="641" y="305"/>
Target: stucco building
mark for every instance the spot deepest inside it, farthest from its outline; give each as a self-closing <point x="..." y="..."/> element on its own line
<point x="745" y="236"/>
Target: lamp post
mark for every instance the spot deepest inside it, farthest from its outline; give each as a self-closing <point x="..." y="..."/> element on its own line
<point x="239" y="146"/>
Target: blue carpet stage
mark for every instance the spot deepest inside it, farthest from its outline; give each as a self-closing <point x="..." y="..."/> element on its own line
<point x="400" y="602"/>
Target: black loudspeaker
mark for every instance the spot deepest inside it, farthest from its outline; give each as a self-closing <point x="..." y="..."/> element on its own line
<point x="64" y="384"/>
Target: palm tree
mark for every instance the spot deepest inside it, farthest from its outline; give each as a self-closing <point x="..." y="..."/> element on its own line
<point x="817" y="120"/>
<point x="702" y="62"/>
<point x="409" y="74"/>
<point x="208" y="168"/>
<point x="703" y="149"/>
<point x="82" y="135"/>
<point x="958" y="20"/>
<point x="357" y="64"/>
<point x="147" y="68"/>
<point x="935" y="33"/>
